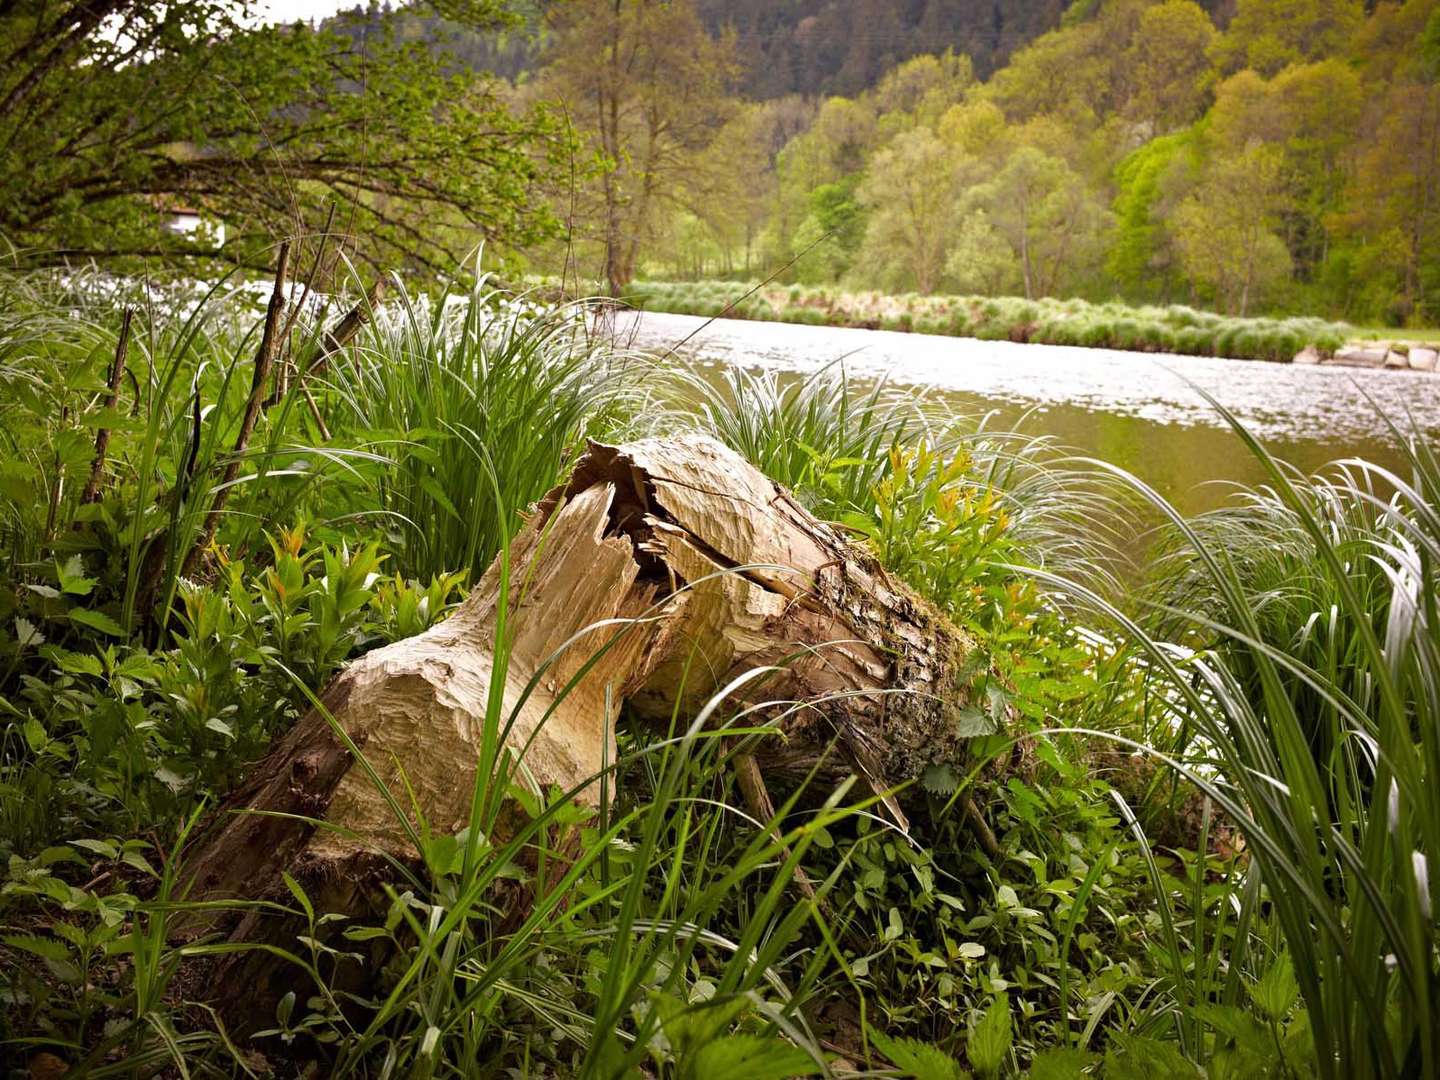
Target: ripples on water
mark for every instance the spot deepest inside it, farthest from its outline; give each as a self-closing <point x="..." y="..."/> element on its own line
<point x="1277" y="401"/>
<point x="1138" y="410"/>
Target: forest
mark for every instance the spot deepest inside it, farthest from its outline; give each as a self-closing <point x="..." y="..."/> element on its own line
<point x="427" y="652"/>
<point x="1286" y="163"/>
<point x="1280" y="160"/>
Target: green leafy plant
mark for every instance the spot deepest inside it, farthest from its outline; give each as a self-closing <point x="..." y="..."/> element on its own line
<point x="1323" y="756"/>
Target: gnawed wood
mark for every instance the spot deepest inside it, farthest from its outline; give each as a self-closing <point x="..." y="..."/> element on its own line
<point x="692" y="561"/>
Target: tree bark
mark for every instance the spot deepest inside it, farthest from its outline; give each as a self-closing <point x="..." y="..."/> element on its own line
<point x="271" y="344"/>
<point x="720" y="572"/>
<point x="91" y="491"/>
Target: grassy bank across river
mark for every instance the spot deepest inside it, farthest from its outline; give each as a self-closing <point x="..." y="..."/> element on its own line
<point x="1171" y="329"/>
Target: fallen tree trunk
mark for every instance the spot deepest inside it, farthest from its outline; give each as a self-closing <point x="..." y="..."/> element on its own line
<point x="722" y="572"/>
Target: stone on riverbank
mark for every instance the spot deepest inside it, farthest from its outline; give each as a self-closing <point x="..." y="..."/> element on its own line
<point x="1308" y="355"/>
<point x="1371" y="356"/>
<point x="1423" y="359"/>
<point x="1396" y="359"/>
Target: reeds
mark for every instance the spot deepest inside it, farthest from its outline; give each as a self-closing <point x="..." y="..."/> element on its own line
<point x="473" y="384"/>
<point x="1306" y="704"/>
<point x="1150" y="328"/>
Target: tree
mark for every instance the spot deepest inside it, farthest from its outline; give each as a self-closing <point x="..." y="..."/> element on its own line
<point x="1170" y="64"/>
<point x="924" y="87"/>
<point x="775" y="124"/>
<point x="910" y="193"/>
<point x="975" y="129"/>
<point x="114" y="112"/>
<point x="979" y="260"/>
<point x="1081" y="67"/>
<point x="1309" y="114"/>
<point x="833" y="147"/>
<point x="739" y="191"/>
<point x="1395" y="199"/>
<point x="1049" y="217"/>
<point x="1064" y="66"/>
<point x="1269" y="35"/>
<point x="1225" y="230"/>
<point x="1142" y="255"/>
<point x="831" y="233"/>
<point x="646" y="86"/>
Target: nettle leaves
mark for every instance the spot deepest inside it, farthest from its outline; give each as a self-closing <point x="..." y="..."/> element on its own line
<point x="990" y="1037"/>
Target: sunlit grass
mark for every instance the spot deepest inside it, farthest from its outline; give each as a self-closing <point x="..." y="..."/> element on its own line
<point x="1283" y="655"/>
<point x="1307" y="706"/>
<point x="1173" y="329"/>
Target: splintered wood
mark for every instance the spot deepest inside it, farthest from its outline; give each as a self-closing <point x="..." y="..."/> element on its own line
<point x="693" y="568"/>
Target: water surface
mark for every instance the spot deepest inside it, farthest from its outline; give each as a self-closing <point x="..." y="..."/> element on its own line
<point x="1139" y="410"/>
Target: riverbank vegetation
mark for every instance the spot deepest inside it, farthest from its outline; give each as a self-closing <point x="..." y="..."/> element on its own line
<point x="1245" y="158"/>
<point x="1183" y="817"/>
<point x="1277" y="163"/>
<point x="1201" y="827"/>
<point x="1172" y="329"/>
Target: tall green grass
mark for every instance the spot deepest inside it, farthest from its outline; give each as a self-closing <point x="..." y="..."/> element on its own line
<point x="614" y="952"/>
<point x="399" y="429"/>
<point x="1306" y="704"/>
<point x="1150" y="328"/>
<point x="474" y="384"/>
<point x="831" y="440"/>
<point x="1285" y="657"/>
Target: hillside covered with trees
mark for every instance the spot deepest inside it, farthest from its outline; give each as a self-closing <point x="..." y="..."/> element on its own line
<point x="1254" y="158"/>
<point x="1290" y="161"/>
<point x="413" y="665"/>
<point x="808" y="47"/>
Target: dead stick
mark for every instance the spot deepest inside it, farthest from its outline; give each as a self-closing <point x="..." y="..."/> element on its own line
<point x="334" y="340"/>
<point x="91" y="492"/>
<point x="757" y="799"/>
<point x="983" y="832"/>
<point x="282" y="372"/>
<point x="270" y="340"/>
<point x="315" y="414"/>
<point x="348" y="327"/>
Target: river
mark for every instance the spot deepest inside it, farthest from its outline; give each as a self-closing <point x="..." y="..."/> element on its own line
<point x="1138" y="410"/>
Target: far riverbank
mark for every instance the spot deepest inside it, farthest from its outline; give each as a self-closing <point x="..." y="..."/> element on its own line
<point x="1174" y="329"/>
<point x="1146" y="412"/>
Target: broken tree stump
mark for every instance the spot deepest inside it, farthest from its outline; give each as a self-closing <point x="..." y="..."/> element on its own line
<point x="717" y="568"/>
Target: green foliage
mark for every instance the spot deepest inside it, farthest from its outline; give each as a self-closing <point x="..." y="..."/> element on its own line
<point x="145" y="734"/>
<point x="1306" y="714"/>
<point x="1281" y="160"/>
<point x="812" y="434"/>
<point x="1056" y="907"/>
<point x="990" y="1038"/>
<point x="1430" y="44"/>
<point x="469" y="399"/>
<point x="917" y="1059"/>
<point x="831" y="232"/>
<point x="1174" y="328"/>
<point x="1139" y="259"/>
<point x="260" y="131"/>
<point x="98" y="972"/>
<point x="1268" y="36"/>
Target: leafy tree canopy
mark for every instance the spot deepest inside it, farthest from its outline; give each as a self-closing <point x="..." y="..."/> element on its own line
<point x="116" y="113"/>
